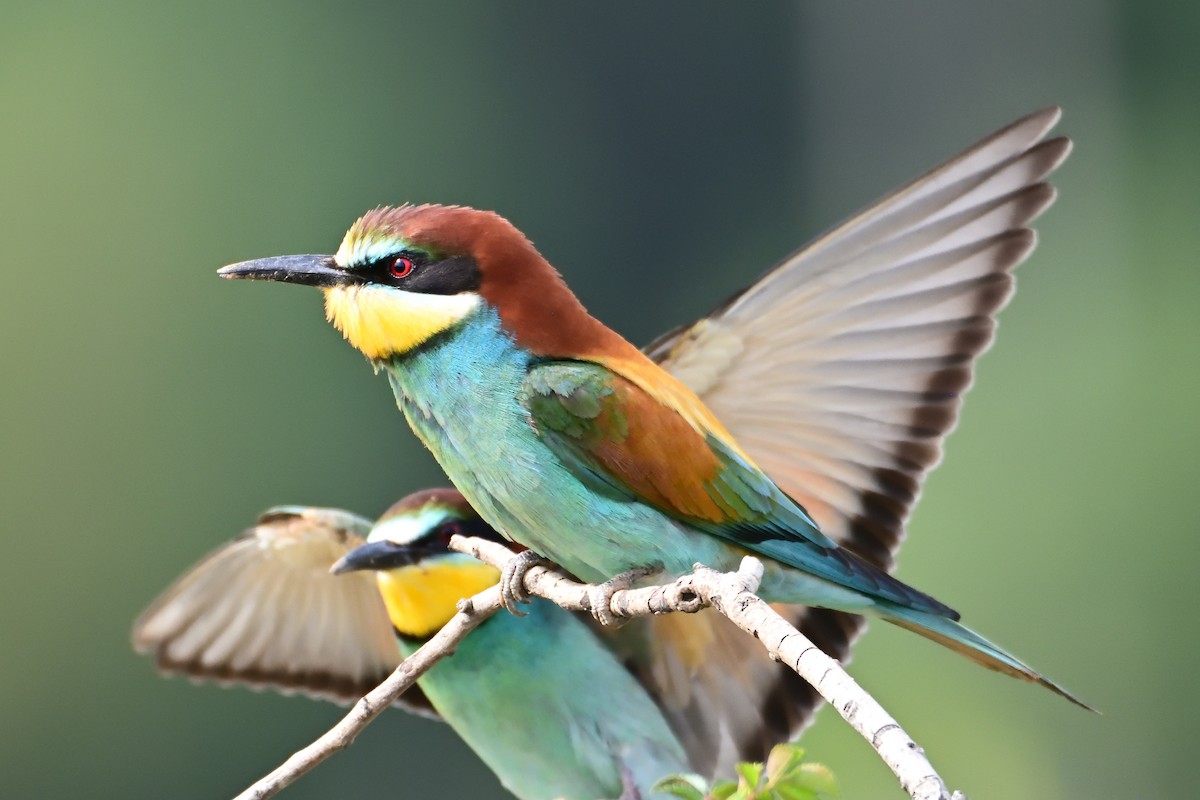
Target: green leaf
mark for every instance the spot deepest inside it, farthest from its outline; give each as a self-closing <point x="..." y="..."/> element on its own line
<point x="688" y="787"/>
<point x="785" y="776"/>
<point x="790" y="778"/>
<point x="789" y="791"/>
<point x="751" y="774"/>
<point x="819" y="778"/>
<point x="784" y="762"/>
<point x="722" y="790"/>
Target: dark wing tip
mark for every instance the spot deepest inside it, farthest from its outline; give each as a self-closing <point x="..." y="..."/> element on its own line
<point x="791" y="703"/>
<point x="316" y="684"/>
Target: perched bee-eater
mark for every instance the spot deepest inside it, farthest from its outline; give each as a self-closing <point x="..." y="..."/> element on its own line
<point x="545" y="702"/>
<point x="572" y="442"/>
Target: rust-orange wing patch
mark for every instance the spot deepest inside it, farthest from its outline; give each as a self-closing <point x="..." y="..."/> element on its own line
<point x="619" y="439"/>
<point x="612" y="431"/>
<point x="618" y="436"/>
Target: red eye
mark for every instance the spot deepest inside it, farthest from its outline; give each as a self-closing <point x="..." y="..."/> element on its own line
<point x="448" y="530"/>
<point x="401" y="266"/>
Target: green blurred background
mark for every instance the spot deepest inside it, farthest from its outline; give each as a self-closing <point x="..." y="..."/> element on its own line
<point x="661" y="155"/>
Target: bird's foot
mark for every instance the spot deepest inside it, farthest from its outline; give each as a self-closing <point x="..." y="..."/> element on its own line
<point x="512" y="581"/>
<point x="600" y="596"/>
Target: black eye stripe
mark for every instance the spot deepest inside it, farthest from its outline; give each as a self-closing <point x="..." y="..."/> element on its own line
<point x="438" y="538"/>
<point x="468" y="527"/>
<point x="427" y="275"/>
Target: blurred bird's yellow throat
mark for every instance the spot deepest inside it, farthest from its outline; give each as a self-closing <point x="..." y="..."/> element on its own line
<point x="422" y="598"/>
<point x="382" y="321"/>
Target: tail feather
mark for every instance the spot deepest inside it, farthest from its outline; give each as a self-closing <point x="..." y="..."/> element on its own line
<point x="962" y="639"/>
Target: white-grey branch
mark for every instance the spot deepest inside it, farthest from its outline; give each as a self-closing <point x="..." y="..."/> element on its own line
<point x="731" y="594"/>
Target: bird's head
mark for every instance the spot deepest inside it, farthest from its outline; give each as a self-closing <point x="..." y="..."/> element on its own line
<point x="404" y="275"/>
<point x="420" y="579"/>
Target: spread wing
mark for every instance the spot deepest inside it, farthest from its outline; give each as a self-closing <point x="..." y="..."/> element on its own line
<point x="842" y="369"/>
<point x="840" y="372"/>
<point x="263" y="611"/>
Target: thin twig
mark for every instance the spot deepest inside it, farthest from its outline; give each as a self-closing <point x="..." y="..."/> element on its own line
<point x="730" y="594"/>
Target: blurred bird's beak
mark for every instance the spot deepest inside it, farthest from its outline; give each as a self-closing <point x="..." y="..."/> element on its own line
<point x="374" y="555"/>
<point x="306" y="270"/>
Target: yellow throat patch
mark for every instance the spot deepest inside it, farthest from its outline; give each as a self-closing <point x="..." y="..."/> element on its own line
<point x="381" y="321"/>
<point x="420" y="599"/>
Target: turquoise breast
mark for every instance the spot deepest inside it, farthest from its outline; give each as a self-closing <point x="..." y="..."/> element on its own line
<point x="461" y="394"/>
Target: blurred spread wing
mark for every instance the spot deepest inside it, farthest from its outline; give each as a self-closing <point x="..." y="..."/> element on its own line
<point x="724" y="697"/>
<point x="263" y="611"/>
<point x="840" y="372"/>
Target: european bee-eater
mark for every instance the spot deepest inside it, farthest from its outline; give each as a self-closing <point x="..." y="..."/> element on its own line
<point x="545" y="702"/>
<point x="572" y="442"/>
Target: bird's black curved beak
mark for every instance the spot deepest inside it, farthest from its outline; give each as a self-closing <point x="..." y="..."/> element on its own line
<point x="375" y="555"/>
<point x="305" y="270"/>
